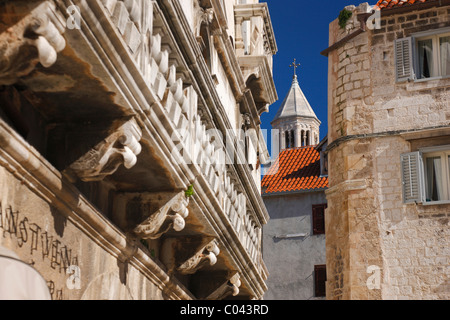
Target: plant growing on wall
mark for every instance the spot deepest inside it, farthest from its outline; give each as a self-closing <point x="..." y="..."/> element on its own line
<point x="189" y="191"/>
<point x="344" y="16"/>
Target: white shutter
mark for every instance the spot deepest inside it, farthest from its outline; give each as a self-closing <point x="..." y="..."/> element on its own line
<point x="404" y="59"/>
<point x="412" y="177"/>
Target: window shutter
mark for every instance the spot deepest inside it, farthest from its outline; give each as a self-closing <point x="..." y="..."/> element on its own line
<point x="320" y="278"/>
<point x="318" y="215"/>
<point x="412" y="177"/>
<point x="404" y="60"/>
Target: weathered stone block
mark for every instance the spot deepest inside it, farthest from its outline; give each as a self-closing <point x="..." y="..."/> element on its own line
<point x="132" y="37"/>
<point x="135" y="11"/>
<point x="110" y="5"/>
<point x="160" y="85"/>
<point x="120" y="17"/>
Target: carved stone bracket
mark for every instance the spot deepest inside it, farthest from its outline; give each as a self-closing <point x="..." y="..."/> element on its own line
<point x="230" y="287"/>
<point x="198" y="260"/>
<point x="170" y="215"/>
<point x="32" y="40"/>
<point x="121" y="147"/>
<point x="202" y="15"/>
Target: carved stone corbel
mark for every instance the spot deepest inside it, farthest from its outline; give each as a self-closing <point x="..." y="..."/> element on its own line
<point x="121" y="147"/>
<point x="198" y="260"/>
<point x="246" y="120"/>
<point x="170" y="215"/>
<point x="230" y="287"/>
<point x="202" y="16"/>
<point x="32" y="40"/>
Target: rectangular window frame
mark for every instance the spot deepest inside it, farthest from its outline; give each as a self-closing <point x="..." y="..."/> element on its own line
<point x="435" y="37"/>
<point x="406" y="52"/>
<point x="445" y="168"/>
<point x="420" y="174"/>
<point x="320" y="279"/>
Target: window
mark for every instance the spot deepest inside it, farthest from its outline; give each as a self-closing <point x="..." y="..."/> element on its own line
<point x="205" y="47"/>
<point x="320" y="278"/>
<point x="423" y="56"/>
<point x="318" y="218"/>
<point x="437" y="166"/>
<point x="323" y="163"/>
<point x="290" y="139"/>
<point x="426" y="175"/>
<point x="433" y="56"/>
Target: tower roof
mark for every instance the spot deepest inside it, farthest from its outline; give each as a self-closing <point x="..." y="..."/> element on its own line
<point x="295" y="104"/>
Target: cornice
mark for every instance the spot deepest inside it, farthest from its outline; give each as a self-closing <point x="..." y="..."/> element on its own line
<point x="247" y="11"/>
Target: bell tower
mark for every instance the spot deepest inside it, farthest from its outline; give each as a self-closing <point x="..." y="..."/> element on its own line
<point x="296" y="121"/>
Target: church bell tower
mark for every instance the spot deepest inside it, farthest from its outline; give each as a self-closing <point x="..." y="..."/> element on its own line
<point x="296" y="121"/>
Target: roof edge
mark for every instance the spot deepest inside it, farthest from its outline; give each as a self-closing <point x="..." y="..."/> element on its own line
<point x="293" y="192"/>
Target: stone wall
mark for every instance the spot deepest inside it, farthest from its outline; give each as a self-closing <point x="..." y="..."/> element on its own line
<point x="42" y="235"/>
<point x="371" y="234"/>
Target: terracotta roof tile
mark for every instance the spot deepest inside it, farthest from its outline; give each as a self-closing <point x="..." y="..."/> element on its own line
<point x="295" y="170"/>
<point x="387" y="4"/>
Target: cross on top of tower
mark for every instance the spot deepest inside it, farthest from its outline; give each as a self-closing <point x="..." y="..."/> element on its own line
<point x="295" y="66"/>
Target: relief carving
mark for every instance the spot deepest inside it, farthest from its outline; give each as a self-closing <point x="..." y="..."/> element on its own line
<point x="121" y="147"/>
<point x="231" y="287"/>
<point x="202" y="16"/>
<point x="170" y="215"/>
<point x="197" y="261"/>
<point x="33" y="40"/>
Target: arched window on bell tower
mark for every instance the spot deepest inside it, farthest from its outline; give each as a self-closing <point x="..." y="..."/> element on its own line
<point x="289" y="137"/>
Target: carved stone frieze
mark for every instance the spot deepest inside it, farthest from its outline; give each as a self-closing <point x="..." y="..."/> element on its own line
<point x="198" y="260"/>
<point x="121" y="147"/>
<point x="35" y="39"/>
<point x="170" y="215"/>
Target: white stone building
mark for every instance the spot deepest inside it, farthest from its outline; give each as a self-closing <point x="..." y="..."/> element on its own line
<point x="115" y="120"/>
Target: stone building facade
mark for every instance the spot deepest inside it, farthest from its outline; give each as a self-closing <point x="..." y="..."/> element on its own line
<point x="387" y="222"/>
<point x="129" y="145"/>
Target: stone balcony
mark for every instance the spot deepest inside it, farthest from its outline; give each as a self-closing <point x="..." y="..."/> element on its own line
<point x="135" y="124"/>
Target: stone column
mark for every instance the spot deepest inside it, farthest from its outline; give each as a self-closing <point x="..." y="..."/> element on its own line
<point x="298" y="141"/>
<point x="240" y="48"/>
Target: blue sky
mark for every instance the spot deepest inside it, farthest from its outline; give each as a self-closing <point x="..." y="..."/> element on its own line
<point x="301" y="32"/>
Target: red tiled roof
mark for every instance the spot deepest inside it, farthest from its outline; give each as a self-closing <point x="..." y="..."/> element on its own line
<point x="387" y="4"/>
<point x="295" y="170"/>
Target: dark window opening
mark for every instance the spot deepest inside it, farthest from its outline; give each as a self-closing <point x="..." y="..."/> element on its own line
<point x="290" y="139"/>
<point x="320" y="278"/>
<point x="318" y="217"/>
